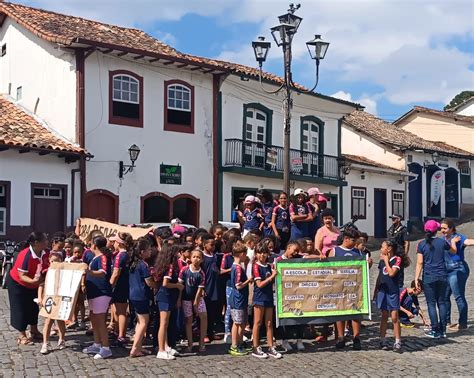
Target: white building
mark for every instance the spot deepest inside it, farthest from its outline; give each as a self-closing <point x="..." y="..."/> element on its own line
<point x="397" y="172"/>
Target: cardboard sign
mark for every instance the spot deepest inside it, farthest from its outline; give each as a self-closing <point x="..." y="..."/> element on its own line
<point x="109" y="229"/>
<point x="61" y="289"/>
<point x="312" y="292"/>
<point x="296" y="164"/>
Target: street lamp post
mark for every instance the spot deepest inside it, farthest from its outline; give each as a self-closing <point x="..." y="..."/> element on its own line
<point x="283" y="35"/>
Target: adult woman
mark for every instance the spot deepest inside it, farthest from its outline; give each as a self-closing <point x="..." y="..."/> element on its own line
<point x="430" y="258"/>
<point x="23" y="282"/>
<point x="327" y="235"/>
<point x="458" y="272"/>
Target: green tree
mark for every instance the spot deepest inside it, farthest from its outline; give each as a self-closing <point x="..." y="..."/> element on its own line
<point x="459" y="98"/>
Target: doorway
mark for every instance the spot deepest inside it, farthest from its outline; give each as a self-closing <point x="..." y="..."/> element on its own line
<point x="452" y="192"/>
<point x="380" y="213"/>
<point x="415" y="203"/>
<point x="101" y="204"/>
<point x="48" y="208"/>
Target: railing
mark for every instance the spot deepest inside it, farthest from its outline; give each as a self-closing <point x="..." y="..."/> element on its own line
<point x="240" y="153"/>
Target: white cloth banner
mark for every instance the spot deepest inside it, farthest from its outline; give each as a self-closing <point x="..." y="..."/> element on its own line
<point x="437" y="181"/>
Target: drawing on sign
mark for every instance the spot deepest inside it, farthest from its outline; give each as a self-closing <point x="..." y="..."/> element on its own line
<point x="48" y="305"/>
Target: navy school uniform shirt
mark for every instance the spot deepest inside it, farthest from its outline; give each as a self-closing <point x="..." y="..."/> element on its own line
<point x="282" y="220"/>
<point x="120" y="260"/>
<point x="209" y="266"/>
<point x="192" y="281"/>
<point x="99" y="286"/>
<point x="226" y="263"/>
<point x="165" y="294"/>
<point x="434" y="265"/>
<point x="138" y="289"/>
<point x="267" y="210"/>
<point x="252" y="219"/>
<point x="263" y="294"/>
<point x="87" y="256"/>
<point x="389" y="284"/>
<point x="239" y="299"/>
<point x="408" y="301"/>
<point x="345" y="252"/>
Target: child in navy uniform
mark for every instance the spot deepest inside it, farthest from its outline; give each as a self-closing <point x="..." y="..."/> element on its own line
<point x="119" y="281"/>
<point x="226" y="267"/>
<point x="252" y="216"/>
<point x="211" y="272"/>
<point x="193" y="279"/>
<point x="268" y="204"/>
<point x="300" y="216"/>
<point x="263" y="276"/>
<point x="388" y="294"/>
<point x="167" y="297"/>
<point x="239" y="299"/>
<point x="281" y="223"/>
<point x="409" y="305"/>
<point x="347" y="249"/>
<point x="140" y="294"/>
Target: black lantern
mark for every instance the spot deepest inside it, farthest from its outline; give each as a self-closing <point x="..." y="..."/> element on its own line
<point x="283" y="34"/>
<point x="290" y="17"/>
<point x="317" y="47"/>
<point x="260" y="48"/>
<point x="133" y="151"/>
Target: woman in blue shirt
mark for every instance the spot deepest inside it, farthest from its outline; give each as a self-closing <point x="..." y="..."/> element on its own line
<point x="458" y="272"/>
<point x="430" y="258"/>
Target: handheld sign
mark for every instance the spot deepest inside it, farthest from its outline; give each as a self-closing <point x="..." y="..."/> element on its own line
<point x="109" y="229"/>
<point x="319" y="292"/>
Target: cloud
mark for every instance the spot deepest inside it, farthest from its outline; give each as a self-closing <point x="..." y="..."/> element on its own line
<point x="370" y="103"/>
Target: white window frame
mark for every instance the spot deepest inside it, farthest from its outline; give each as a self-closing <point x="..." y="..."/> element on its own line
<point x="310" y="134"/>
<point x="400" y="201"/>
<point x="181" y="89"/>
<point x="47" y="194"/>
<point x="121" y="78"/>
<point x="359" y="196"/>
<point x="465" y="169"/>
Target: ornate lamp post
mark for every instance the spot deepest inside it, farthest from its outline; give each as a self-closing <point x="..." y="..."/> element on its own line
<point x="283" y="36"/>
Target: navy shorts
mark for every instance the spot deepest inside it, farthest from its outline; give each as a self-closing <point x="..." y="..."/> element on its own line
<point x="264" y="304"/>
<point x="119" y="296"/>
<point x="388" y="302"/>
<point x="165" y="306"/>
<point x="141" y="307"/>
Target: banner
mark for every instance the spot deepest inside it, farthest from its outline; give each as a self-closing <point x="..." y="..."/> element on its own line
<point x="109" y="229"/>
<point x="437" y="181"/>
<point x="318" y="292"/>
<point x="61" y="289"/>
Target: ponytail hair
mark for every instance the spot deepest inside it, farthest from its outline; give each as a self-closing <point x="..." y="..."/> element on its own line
<point x="142" y="244"/>
<point x="100" y="243"/>
<point x="429" y="238"/>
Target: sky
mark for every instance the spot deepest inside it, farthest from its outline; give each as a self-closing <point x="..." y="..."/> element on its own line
<point x="388" y="55"/>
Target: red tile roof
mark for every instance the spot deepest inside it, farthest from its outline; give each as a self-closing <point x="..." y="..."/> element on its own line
<point x="76" y="31"/>
<point x="439" y="113"/>
<point x="18" y="129"/>
<point x="389" y="134"/>
<point x="364" y="161"/>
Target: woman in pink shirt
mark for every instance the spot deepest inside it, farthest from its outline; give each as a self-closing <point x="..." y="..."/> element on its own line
<point x="327" y="235"/>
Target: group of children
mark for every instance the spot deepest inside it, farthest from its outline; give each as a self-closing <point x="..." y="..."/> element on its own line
<point x="185" y="282"/>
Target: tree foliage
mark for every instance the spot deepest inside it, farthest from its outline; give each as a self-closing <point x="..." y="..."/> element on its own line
<point x="459" y="98"/>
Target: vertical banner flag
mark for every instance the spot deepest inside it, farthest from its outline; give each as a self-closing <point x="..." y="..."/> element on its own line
<point x="437" y="181"/>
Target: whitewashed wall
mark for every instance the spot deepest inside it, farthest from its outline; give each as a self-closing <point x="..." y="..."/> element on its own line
<point x="372" y="181"/>
<point x="45" y="72"/>
<point x="109" y="143"/>
<point x="466" y="109"/>
<point x="24" y="169"/>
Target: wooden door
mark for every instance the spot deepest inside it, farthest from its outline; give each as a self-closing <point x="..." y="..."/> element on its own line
<point x="101" y="204"/>
<point x="48" y="209"/>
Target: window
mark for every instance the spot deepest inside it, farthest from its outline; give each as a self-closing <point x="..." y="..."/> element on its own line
<point x="398" y="203"/>
<point x="4" y="50"/>
<point x="465" y="174"/>
<point x="49" y="193"/>
<point x="179" y="106"/>
<point x="126" y="99"/>
<point x="3" y="209"/>
<point x="359" y="202"/>
<point x="19" y="93"/>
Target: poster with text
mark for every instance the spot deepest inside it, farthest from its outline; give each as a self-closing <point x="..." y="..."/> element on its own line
<point x="109" y="229"/>
<point x="318" y="292"/>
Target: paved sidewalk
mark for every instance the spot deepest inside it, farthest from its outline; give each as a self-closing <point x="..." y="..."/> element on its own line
<point x="422" y="356"/>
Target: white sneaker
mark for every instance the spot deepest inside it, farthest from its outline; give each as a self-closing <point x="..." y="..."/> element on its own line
<point x="228" y="338"/>
<point x="286" y="345"/>
<point x="61" y="345"/>
<point x="300" y="345"/>
<point x="272" y="352"/>
<point x="245" y="338"/>
<point x="165" y="356"/>
<point x="103" y="353"/>
<point x="46" y="348"/>
<point x="172" y="351"/>
<point x="91" y="349"/>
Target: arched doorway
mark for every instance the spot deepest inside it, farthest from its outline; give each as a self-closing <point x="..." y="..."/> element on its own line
<point x="155" y="208"/>
<point x="434" y="207"/>
<point x="186" y="208"/>
<point x="101" y="204"/>
<point x="415" y="203"/>
<point x="452" y="192"/>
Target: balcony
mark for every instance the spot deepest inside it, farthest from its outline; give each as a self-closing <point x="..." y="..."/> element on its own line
<point x="304" y="166"/>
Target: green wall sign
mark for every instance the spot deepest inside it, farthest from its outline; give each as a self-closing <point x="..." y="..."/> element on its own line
<point x="170" y="174"/>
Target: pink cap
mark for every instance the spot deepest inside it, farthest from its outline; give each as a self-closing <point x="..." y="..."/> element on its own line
<point x="321" y="198"/>
<point x="313" y="191"/>
<point x="178" y="229"/>
<point x="432" y="226"/>
<point x="250" y="199"/>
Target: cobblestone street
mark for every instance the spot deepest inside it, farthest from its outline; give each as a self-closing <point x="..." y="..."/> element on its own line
<point x="422" y="356"/>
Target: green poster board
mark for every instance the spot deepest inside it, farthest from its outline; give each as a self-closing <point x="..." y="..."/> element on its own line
<point x="312" y="291"/>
